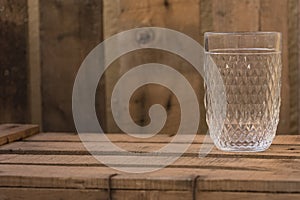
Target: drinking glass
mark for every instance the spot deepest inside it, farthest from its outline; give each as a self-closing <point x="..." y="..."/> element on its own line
<point x="250" y="66"/>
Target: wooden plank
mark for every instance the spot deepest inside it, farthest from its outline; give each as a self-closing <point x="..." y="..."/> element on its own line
<point x="13" y="132"/>
<point x="74" y="148"/>
<point x="72" y="137"/>
<point x="242" y="164"/>
<point x="51" y="194"/>
<point x="235" y="15"/>
<point x="293" y="32"/>
<point x="206" y="18"/>
<point x="54" y="194"/>
<point x="64" y="46"/>
<point x="13" y="66"/>
<point x="130" y="14"/>
<point x="245" y="196"/>
<point x="274" y="17"/>
<point x="165" y="179"/>
<point x="298" y="63"/>
<point x="259" y="174"/>
<point x="174" y="14"/>
<point x="34" y="69"/>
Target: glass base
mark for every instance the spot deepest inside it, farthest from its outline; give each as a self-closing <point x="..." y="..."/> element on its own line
<point x="239" y="148"/>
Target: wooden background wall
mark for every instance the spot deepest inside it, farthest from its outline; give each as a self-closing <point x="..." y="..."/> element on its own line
<point x="43" y="42"/>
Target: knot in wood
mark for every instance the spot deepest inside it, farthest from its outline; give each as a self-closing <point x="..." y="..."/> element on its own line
<point x="144" y="36"/>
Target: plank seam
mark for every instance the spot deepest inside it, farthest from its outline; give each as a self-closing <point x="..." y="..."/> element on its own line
<point x="212" y="155"/>
<point x="141" y="166"/>
<point x="194" y="187"/>
<point x="145" y="189"/>
<point x="109" y="188"/>
<point x="133" y="142"/>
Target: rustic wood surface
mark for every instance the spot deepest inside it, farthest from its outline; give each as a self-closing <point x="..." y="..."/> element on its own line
<point x="12" y="132"/>
<point x="36" y="82"/>
<point x="13" y="61"/>
<point x="293" y="62"/>
<point x="216" y="15"/>
<point x="177" y="15"/>
<point x="57" y="166"/>
<point x="298" y="66"/>
<point x="69" y="30"/>
<point x="225" y="15"/>
<point x="34" y="63"/>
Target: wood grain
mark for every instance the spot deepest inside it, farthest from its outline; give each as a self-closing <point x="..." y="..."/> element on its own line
<point x="187" y="162"/>
<point x="274" y="17"/>
<point x="235" y="15"/>
<point x="69" y="30"/>
<point x="298" y="64"/>
<point x="54" y="194"/>
<point x="293" y="13"/>
<point x="34" y="63"/>
<point x="77" y="148"/>
<point x="48" y="54"/>
<point x="218" y="15"/>
<point x="56" y="165"/>
<point x="13" y="61"/>
<point x="51" y="194"/>
<point x="246" y="196"/>
<point x="12" y="132"/>
<point x="206" y="18"/>
<point x="178" y="15"/>
<point x="45" y="176"/>
<point x="120" y="137"/>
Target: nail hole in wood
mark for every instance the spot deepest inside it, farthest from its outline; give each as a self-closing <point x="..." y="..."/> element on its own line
<point x="166" y="3"/>
<point x="291" y="149"/>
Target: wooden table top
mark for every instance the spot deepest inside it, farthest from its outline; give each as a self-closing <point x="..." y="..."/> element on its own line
<point x="57" y="166"/>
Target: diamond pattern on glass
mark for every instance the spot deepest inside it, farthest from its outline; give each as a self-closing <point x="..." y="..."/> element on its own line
<point x="252" y="82"/>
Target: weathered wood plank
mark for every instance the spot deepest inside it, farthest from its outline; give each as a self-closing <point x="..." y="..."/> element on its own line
<point x="12" y="132"/>
<point x="51" y="194"/>
<point x="75" y="148"/>
<point x="259" y="175"/>
<point x="235" y="15"/>
<point x="69" y="29"/>
<point x="13" y="61"/>
<point x="72" y="137"/>
<point x="165" y="179"/>
<point x="243" y="164"/>
<point x="54" y="194"/>
<point x="298" y="64"/>
<point x="206" y="18"/>
<point x="246" y="196"/>
<point x="174" y="14"/>
<point x="274" y="17"/>
<point x="293" y="32"/>
<point x="34" y="64"/>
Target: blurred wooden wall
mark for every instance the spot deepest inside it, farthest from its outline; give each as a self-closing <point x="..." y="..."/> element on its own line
<point x="13" y="61"/>
<point x="43" y="43"/>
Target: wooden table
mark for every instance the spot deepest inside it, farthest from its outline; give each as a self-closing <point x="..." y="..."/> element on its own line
<point x="57" y="166"/>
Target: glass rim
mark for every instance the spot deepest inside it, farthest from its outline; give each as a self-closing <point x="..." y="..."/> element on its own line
<point x="254" y="36"/>
<point x="245" y="33"/>
<point x="242" y="53"/>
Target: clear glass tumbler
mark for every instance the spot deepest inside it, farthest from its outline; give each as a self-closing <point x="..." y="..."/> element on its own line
<point x="250" y="66"/>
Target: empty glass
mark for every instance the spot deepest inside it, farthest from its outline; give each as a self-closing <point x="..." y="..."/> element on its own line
<point x="250" y="66"/>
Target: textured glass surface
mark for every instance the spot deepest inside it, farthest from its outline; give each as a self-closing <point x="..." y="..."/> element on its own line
<point x="252" y="81"/>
